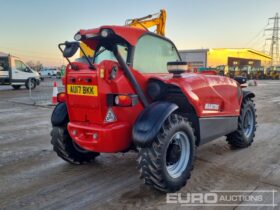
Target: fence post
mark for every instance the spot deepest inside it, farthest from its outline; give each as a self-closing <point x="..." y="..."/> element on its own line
<point x="30" y="93"/>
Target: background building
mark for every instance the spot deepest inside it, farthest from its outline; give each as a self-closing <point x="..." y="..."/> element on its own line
<point x="225" y="56"/>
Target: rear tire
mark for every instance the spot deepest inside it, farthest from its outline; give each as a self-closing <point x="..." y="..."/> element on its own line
<point x="16" y="87"/>
<point x="244" y="135"/>
<point x="67" y="149"/>
<point x="167" y="163"/>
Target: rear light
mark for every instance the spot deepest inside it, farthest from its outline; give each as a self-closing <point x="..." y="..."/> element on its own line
<point x="61" y="97"/>
<point x="122" y="100"/>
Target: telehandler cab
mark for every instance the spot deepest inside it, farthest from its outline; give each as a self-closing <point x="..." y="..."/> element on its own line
<point x="136" y="95"/>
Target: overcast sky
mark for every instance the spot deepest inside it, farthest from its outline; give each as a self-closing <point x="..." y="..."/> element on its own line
<point x="31" y="29"/>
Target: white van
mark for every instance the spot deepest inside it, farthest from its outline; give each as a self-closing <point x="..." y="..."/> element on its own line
<point x="16" y="73"/>
<point x="48" y="72"/>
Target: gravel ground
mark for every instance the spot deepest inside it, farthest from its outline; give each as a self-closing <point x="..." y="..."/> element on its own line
<point x="33" y="177"/>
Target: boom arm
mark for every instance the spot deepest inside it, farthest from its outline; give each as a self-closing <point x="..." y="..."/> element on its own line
<point x="148" y="22"/>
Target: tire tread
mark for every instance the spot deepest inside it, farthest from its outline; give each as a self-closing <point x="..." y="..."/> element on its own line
<point x="149" y="159"/>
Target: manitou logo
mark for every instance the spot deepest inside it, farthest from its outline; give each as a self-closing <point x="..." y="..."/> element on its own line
<point x="212" y="106"/>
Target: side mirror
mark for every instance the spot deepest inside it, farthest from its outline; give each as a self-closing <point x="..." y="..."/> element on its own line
<point x="177" y="68"/>
<point x="70" y="49"/>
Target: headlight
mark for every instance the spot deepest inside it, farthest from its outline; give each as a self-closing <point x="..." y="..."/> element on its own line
<point x="78" y="37"/>
<point x="105" y="33"/>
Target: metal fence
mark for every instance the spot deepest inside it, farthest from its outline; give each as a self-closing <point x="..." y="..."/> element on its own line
<point x="42" y="94"/>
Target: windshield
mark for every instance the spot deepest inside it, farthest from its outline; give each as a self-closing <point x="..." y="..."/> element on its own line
<point x="152" y="54"/>
<point x="103" y="54"/>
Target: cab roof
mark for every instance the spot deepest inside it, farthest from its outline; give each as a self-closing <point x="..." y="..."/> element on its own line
<point x="130" y="34"/>
<point x="2" y="54"/>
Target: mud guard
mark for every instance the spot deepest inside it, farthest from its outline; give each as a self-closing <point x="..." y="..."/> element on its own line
<point x="60" y="115"/>
<point x="150" y="121"/>
<point x="249" y="94"/>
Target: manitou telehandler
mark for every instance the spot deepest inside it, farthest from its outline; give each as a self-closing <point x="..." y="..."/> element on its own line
<point x="135" y="95"/>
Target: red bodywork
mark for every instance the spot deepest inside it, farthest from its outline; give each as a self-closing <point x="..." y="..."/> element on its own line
<point x="87" y="113"/>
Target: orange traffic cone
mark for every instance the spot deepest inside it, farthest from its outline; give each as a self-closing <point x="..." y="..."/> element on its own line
<point x="55" y="92"/>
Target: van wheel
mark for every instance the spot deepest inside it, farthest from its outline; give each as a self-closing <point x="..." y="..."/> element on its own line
<point x="16" y="87"/>
<point x="30" y="83"/>
<point x="167" y="163"/>
<point x="67" y="149"/>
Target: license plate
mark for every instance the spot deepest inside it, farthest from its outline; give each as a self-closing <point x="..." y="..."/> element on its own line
<point x="82" y="90"/>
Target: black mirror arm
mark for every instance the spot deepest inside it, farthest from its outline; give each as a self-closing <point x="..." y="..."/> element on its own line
<point x="91" y="66"/>
<point x="59" y="46"/>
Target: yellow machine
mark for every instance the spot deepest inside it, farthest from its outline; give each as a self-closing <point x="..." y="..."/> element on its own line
<point x="245" y="71"/>
<point x="157" y="20"/>
<point x="234" y="71"/>
<point x="223" y="70"/>
<point x="89" y="52"/>
<point x="274" y="72"/>
<point x="258" y="72"/>
<point x="254" y="74"/>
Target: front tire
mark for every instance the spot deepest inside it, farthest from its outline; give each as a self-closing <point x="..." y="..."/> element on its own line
<point x="30" y="84"/>
<point x="67" y="149"/>
<point x="167" y="163"/>
<point x="244" y="135"/>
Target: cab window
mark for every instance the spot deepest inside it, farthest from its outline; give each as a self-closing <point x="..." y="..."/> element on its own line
<point x="152" y="54"/>
<point x="103" y="54"/>
<point x="21" y="66"/>
<point x="4" y="64"/>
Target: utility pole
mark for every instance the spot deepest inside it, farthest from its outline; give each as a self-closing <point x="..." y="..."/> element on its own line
<point x="274" y="45"/>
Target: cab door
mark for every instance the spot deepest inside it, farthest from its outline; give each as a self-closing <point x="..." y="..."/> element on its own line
<point x="20" y="72"/>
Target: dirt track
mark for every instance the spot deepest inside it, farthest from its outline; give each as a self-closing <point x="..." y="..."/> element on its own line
<point x="33" y="177"/>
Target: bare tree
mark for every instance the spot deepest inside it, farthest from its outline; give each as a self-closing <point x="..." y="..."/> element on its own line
<point x="35" y="65"/>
